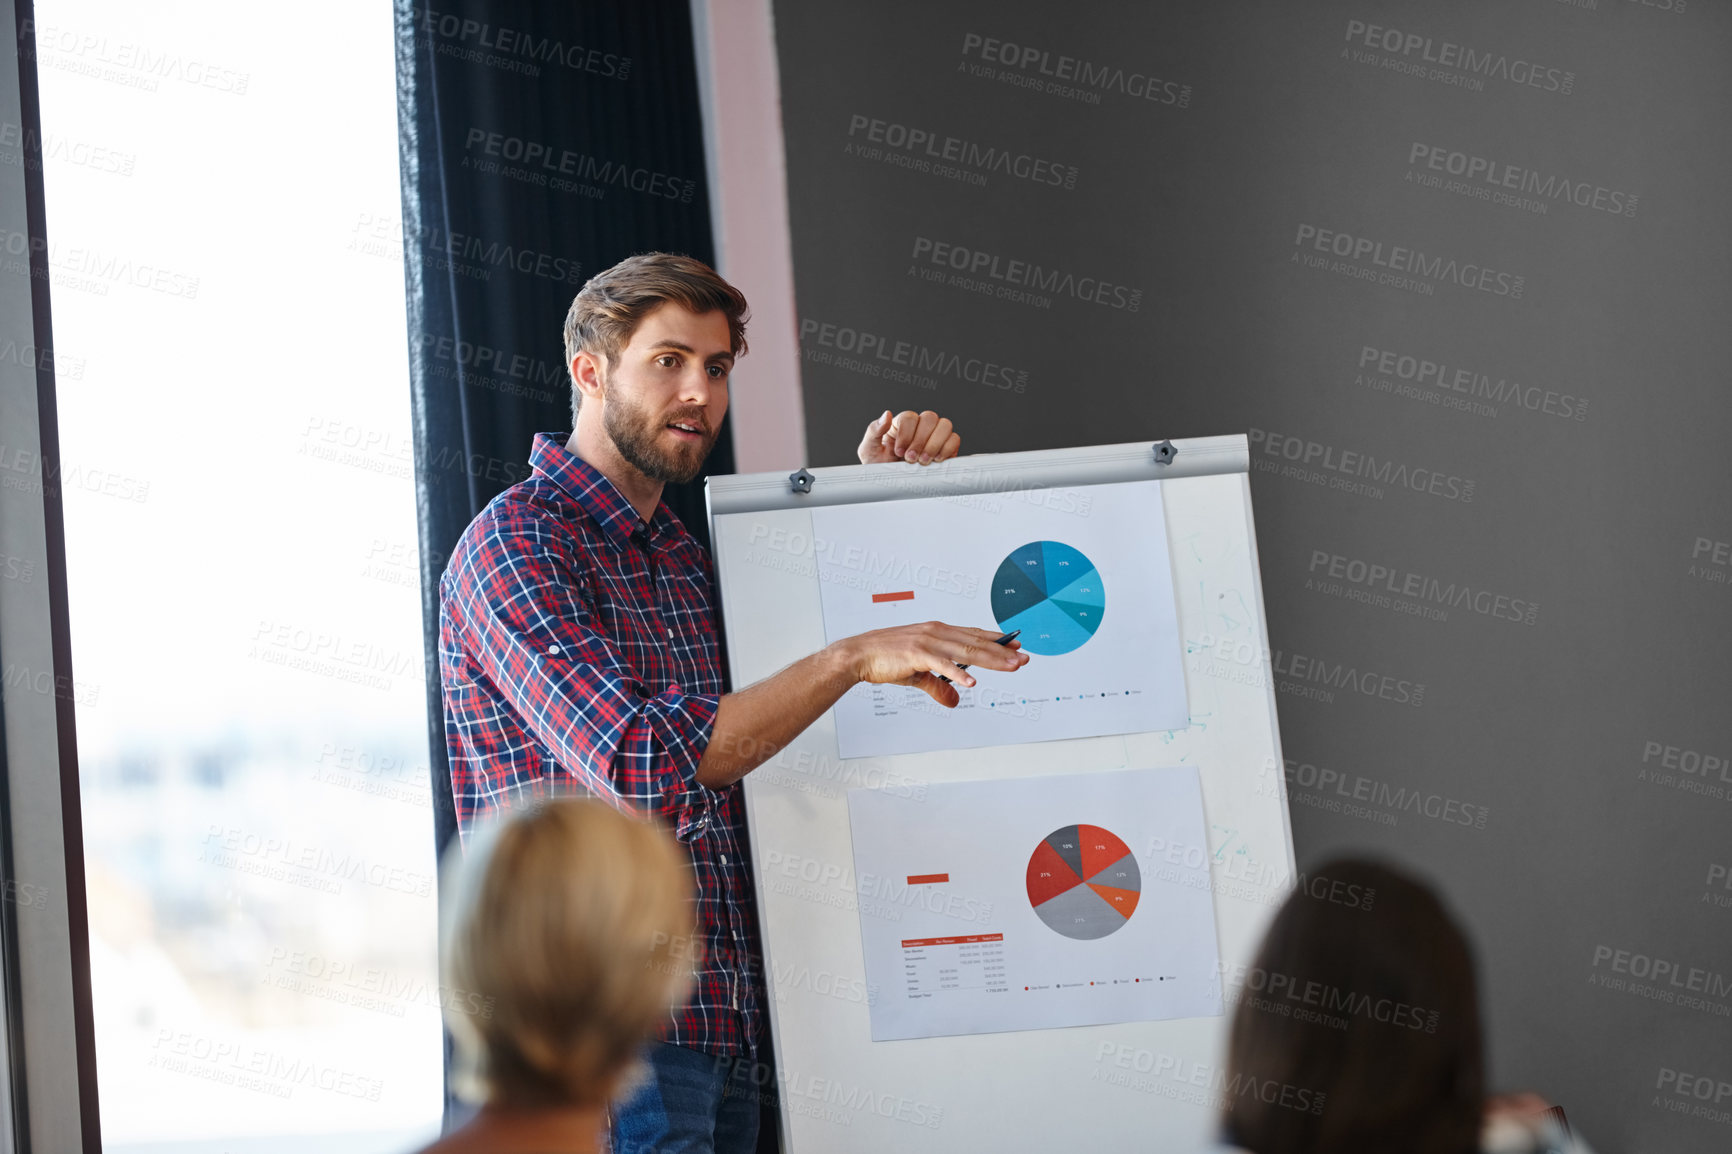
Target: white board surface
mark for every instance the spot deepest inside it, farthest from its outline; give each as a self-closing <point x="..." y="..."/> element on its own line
<point x="1139" y="1085"/>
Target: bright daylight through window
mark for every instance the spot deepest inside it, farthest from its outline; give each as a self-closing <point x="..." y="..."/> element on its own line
<point x="227" y="279"/>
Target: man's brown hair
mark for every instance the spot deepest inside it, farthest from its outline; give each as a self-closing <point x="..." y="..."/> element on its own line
<point x="612" y="303"/>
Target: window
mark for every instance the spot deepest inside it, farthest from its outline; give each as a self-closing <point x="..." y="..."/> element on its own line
<point x="227" y="279"/>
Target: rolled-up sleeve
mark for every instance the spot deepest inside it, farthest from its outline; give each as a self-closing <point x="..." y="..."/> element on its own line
<point x="528" y="628"/>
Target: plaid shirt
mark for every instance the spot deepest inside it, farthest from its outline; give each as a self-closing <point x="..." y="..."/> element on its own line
<point x="577" y="647"/>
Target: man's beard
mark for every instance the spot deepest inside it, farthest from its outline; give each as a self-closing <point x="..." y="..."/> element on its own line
<point x="637" y="432"/>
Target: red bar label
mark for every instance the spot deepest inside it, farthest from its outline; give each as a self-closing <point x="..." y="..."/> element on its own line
<point x="905" y="595"/>
<point x="926" y="879"/>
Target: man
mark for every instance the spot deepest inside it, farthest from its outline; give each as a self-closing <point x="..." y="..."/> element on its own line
<point x="578" y="650"/>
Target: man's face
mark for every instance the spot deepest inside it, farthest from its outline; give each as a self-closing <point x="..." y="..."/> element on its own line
<point x="667" y="391"/>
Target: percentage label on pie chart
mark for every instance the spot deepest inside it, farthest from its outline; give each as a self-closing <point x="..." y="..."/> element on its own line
<point x="1052" y="593"/>
<point x="1083" y="882"/>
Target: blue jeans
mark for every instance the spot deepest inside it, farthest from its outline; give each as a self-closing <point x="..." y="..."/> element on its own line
<point x="692" y="1104"/>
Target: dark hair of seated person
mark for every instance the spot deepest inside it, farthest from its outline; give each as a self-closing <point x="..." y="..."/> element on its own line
<point x="1405" y="1075"/>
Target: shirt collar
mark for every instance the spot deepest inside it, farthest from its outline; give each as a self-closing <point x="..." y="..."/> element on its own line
<point x="591" y="489"/>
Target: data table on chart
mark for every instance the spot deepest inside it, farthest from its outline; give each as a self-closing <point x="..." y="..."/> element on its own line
<point x="932" y="966"/>
<point x="978" y="914"/>
<point x="1083" y="577"/>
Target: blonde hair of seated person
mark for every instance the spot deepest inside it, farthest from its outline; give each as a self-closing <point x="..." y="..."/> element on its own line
<point x="568" y="940"/>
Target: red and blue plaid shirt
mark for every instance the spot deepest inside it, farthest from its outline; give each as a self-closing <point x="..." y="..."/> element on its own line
<point x="578" y="651"/>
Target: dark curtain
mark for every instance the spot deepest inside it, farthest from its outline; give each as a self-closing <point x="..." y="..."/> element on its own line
<point x="540" y="144"/>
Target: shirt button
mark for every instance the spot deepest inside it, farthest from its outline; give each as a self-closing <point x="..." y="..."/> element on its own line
<point x="724" y="859"/>
<point x="553" y="649"/>
<point x="670" y="635"/>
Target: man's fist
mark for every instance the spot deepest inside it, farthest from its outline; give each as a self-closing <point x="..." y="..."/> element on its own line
<point x="918" y="438"/>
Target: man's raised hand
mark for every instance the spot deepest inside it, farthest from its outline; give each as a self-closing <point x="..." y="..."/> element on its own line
<point x="919" y="655"/>
<point x="918" y="438"/>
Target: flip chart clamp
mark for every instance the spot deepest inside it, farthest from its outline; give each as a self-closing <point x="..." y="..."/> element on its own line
<point x="801" y="482"/>
<point x="1165" y="452"/>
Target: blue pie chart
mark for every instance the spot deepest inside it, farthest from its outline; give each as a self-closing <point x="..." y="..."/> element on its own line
<point x="1052" y="593"/>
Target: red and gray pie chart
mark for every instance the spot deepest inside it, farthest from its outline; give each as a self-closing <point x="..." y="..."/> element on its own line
<point x="1083" y="882"/>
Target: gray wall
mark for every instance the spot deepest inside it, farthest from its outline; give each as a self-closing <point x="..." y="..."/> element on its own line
<point x="1462" y="272"/>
